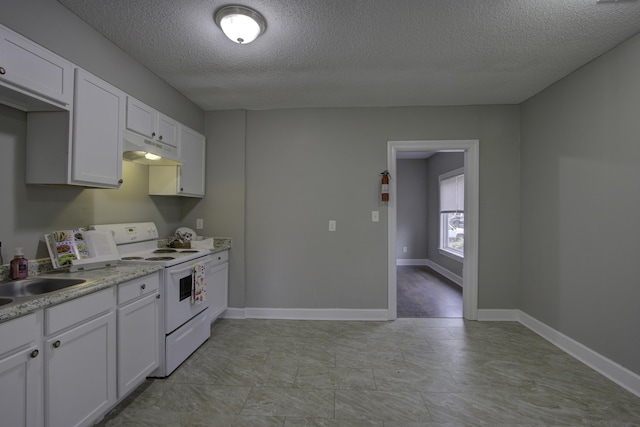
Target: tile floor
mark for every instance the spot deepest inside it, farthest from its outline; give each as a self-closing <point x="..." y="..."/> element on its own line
<point x="409" y="373"/>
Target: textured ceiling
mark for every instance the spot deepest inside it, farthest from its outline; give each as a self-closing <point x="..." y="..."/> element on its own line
<point x="343" y="53"/>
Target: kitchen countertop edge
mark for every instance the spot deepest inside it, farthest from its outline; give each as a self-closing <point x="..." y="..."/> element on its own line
<point x="97" y="280"/>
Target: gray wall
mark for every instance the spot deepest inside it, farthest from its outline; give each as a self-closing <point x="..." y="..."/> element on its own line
<point x="437" y="165"/>
<point x="223" y="208"/>
<point x="580" y="203"/>
<point x="411" y="205"/>
<point x="304" y="167"/>
<point x="28" y="211"/>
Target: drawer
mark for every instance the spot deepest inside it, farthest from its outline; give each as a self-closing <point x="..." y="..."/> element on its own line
<point x="220" y="257"/>
<point x="136" y="288"/>
<point x="20" y="332"/>
<point x="67" y="314"/>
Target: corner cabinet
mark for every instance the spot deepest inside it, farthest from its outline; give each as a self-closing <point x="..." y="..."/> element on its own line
<point x="82" y="148"/>
<point x="187" y="179"/>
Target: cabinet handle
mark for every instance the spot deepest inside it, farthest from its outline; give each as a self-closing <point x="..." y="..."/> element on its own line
<point x="2" y="70"/>
<point x="160" y="137"/>
<point x="120" y="181"/>
<point x="153" y="134"/>
<point x="144" y="286"/>
<point x="57" y="344"/>
<point x="181" y="188"/>
<point x="158" y="296"/>
<point x="34" y="354"/>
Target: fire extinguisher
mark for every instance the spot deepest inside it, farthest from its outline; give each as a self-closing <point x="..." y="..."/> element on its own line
<point x="385" y="186"/>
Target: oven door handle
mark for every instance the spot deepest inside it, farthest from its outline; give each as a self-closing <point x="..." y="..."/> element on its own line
<point x="189" y="268"/>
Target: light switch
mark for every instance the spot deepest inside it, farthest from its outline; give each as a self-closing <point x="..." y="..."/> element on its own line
<point x="332" y="225"/>
<point x="404" y="249"/>
<point x="199" y="223"/>
<point x="375" y="216"/>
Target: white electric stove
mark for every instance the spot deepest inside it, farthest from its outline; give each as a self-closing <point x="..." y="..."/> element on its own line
<point x="185" y="325"/>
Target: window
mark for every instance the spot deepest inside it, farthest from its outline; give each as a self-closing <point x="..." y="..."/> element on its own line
<point x="452" y="213"/>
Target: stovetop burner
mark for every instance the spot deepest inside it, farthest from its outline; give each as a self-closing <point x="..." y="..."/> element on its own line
<point x="159" y="258"/>
<point x="164" y="251"/>
<point x="131" y="258"/>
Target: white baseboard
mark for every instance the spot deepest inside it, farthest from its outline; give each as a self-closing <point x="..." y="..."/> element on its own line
<point x="498" y="315"/>
<point x="235" y="313"/>
<point x="446" y="273"/>
<point x="308" y="314"/>
<point x="605" y="366"/>
<point x="411" y="261"/>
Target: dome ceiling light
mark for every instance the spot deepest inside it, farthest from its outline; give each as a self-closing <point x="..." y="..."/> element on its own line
<point x="239" y="23"/>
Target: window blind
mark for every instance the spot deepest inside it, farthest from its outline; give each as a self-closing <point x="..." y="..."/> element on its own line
<point x="452" y="194"/>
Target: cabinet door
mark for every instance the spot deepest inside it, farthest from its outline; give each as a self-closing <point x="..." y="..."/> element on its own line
<point x="168" y="130"/>
<point x="141" y="118"/>
<point x="32" y="69"/>
<point x="99" y="116"/>
<point x="217" y="289"/>
<point x="80" y="373"/>
<point x="191" y="173"/>
<point x="21" y="389"/>
<point x="138" y="342"/>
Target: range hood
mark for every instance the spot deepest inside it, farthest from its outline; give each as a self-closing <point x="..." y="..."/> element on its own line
<point x="136" y="147"/>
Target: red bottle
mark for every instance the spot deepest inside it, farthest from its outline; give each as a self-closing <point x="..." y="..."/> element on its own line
<point x="19" y="266"/>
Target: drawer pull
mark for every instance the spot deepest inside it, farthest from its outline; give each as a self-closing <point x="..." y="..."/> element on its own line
<point x="34" y="354"/>
<point x="57" y="344"/>
<point x="158" y="296"/>
<point x="144" y="286"/>
<point x="2" y="70"/>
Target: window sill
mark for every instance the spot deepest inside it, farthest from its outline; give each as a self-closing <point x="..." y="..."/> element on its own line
<point x="450" y="254"/>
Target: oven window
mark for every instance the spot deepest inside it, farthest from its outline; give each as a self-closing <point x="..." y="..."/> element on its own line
<point x="185" y="287"/>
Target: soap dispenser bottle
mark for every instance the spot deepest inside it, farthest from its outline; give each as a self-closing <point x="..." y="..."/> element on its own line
<point x="19" y="266"/>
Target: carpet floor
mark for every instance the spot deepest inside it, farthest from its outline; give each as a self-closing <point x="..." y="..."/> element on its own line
<point x="424" y="293"/>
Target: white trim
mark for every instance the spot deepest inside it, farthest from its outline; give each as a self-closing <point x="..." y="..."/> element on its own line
<point x="235" y="313"/>
<point x="450" y="254"/>
<point x="316" y="314"/>
<point x="458" y="280"/>
<point x="498" y="315"/>
<point x="607" y="367"/>
<point x="472" y="197"/>
<point x="400" y="261"/>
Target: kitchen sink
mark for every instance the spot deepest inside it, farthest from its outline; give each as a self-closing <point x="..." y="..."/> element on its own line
<point x="31" y="287"/>
<point x="4" y="301"/>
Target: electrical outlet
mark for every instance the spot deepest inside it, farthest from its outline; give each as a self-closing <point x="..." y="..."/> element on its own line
<point x="404" y="249"/>
<point x="199" y="223"/>
<point x="375" y="216"/>
<point x="332" y="225"/>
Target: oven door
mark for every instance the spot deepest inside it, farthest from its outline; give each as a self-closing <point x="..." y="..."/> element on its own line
<point x="177" y="297"/>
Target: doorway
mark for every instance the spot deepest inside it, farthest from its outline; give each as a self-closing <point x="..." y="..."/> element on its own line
<point x="471" y="177"/>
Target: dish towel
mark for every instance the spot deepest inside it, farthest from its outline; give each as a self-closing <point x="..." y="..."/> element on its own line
<point x="198" y="284"/>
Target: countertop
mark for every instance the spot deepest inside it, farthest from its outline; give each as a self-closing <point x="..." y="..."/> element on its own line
<point x="96" y="280"/>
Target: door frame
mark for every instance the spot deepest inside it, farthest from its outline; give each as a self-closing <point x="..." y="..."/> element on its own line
<point x="471" y="217"/>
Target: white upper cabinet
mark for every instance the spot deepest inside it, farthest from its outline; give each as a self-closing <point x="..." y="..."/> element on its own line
<point x="191" y="178"/>
<point x="31" y="77"/>
<point x="83" y="148"/>
<point x="97" y="132"/>
<point x="187" y="179"/>
<point x="150" y="123"/>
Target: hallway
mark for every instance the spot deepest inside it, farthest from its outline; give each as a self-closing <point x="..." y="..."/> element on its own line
<point x="424" y="293"/>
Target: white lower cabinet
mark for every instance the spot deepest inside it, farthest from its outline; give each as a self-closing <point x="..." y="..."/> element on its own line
<point x="21" y="372"/>
<point x="80" y="360"/>
<point x="138" y="332"/>
<point x="217" y="275"/>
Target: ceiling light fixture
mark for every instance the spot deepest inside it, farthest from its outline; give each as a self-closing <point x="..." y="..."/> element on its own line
<point x="241" y="24"/>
